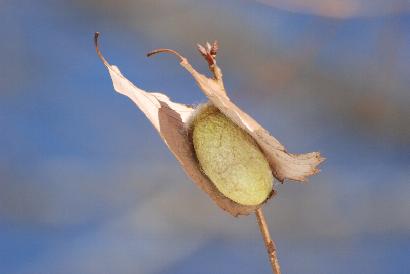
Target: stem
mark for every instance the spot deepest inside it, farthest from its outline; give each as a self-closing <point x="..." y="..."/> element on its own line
<point x="149" y="54"/>
<point x="269" y="244"/>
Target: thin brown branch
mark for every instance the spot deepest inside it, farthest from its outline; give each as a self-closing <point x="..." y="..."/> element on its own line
<point x="269" y="244"/>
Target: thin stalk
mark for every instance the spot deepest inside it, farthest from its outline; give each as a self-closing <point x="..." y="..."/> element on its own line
<point x="269" y="243"/>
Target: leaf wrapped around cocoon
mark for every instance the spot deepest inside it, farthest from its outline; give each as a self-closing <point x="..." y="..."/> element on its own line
<point x="172" y="121"/>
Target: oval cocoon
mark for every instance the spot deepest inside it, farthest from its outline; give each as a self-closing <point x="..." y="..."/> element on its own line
<point x="230" y="158"/>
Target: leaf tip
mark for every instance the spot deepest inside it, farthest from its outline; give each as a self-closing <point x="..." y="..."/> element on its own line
<point x="97" y="49"/>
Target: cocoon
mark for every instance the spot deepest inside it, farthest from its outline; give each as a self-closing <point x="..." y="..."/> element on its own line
<point x="230" y="157"/>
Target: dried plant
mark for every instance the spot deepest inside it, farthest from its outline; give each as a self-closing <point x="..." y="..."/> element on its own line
<point x="221" y="148"/>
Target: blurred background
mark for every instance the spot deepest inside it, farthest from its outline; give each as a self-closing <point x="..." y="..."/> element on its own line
<point x="87" y="186"/>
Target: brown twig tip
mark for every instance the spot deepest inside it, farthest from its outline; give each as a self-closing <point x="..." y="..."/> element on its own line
<point x="97" y="49"/>
<point x="171" y="51"/>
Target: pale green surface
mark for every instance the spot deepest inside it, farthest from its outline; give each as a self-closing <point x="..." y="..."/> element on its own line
<point x="231" y="159"/>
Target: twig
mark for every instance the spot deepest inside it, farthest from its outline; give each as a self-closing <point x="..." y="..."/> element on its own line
<point x="269" y="244"/>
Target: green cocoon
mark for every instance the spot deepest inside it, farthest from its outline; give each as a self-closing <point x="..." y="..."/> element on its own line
<point x="230" y="158"/>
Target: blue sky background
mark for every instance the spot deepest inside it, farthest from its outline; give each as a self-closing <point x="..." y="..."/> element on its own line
<point x="87" y="186"/>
